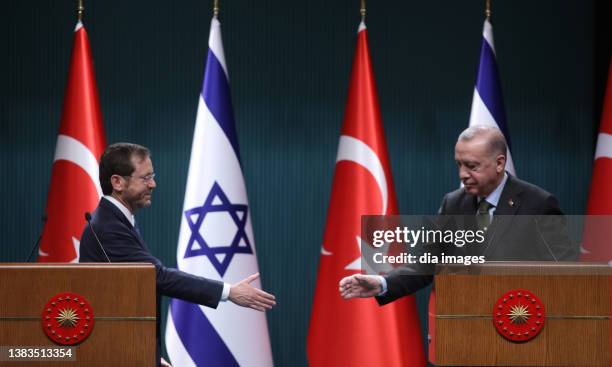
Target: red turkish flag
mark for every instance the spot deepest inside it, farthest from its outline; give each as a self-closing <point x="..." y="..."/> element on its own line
<point x="596" y="241"/>
<point x="75" y="187"/>
<point x="359" y="332"/>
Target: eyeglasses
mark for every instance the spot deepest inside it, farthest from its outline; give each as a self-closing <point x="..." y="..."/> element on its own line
<point x="145" y="179"/>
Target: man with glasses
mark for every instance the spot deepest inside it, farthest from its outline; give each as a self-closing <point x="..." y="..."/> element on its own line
<point x="127" y="180"/>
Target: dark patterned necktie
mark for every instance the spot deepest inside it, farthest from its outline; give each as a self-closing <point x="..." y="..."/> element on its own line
<point x="482" y="217"/>
<point x="136" y="229"/>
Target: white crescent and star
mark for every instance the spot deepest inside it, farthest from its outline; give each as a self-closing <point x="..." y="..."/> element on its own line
<point x="355" y="150"/>
<point x="71" y="150"/>
<point x="603" y="150"/>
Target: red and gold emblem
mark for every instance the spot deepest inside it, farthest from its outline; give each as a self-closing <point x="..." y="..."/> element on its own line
<point x="519" y="315"/>
<point x="67" y="318"/>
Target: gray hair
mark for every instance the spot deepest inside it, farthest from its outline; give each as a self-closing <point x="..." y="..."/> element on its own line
<point x="495" y="138"/>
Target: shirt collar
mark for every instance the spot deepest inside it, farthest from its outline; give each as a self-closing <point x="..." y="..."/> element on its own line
<point x="493" y="197"/>
<point x="124" y="210"/>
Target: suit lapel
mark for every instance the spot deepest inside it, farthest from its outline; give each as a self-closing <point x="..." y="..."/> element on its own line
<point x="121" y="217"/>
<point x="505" y="212"/>
<point x="465" y="217"/>
<point x="116" y="212"/>
<point x="469" y="204"/>
<point x="136" y="230"/>
<point x="510" y="198"/>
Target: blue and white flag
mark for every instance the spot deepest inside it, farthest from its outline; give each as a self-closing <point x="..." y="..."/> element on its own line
<point x="488" y="104"/>
<point x="216" y="237"/>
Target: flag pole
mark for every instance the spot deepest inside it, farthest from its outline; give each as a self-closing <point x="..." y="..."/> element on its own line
<point x="80" y="10"/>
<point x="488" y="9"/>
<point x="216" y="8"/>
<point x="362" y="10"/>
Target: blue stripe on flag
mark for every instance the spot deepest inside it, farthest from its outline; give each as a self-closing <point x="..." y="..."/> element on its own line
<point x="216" y="95"/>
<point x="199" y="337"/>
<point x="489" y="88"/>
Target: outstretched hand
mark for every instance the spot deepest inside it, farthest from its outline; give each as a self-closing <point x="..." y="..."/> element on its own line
<point x="360" y="286"/>
<point x="245" y="295"/>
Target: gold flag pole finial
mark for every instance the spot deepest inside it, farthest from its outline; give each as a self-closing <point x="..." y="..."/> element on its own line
<point x="216" y="8"/>
<point x="362" y="10"/>
<point x="80" y="9"/>
<point x="488" y="9"/>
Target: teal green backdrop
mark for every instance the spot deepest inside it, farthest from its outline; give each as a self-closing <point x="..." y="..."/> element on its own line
<point x="289" y="63"/>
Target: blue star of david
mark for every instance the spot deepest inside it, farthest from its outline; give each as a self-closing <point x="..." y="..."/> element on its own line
<point x="217" y="201"/>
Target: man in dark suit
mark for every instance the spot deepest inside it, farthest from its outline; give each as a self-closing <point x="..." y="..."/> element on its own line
<point x="127" y="180"/>
<point x="528" y="225"/>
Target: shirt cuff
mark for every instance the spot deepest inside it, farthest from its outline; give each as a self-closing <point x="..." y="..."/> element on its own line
<point x="383" y="285"/>
<point x="226" y="291"/>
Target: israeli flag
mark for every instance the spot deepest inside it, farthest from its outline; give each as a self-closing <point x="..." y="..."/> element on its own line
<point x="216" y="237"/>
<point x="488" y="104"/>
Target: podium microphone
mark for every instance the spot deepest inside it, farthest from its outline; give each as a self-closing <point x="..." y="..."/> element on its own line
<point x="544" y="240"/>
<point x="88" y="219"/>
<point x="44" y="220"/>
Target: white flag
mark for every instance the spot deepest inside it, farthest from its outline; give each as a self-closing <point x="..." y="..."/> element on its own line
<point x="216" y="237"/>
<point x="488" y="103"/>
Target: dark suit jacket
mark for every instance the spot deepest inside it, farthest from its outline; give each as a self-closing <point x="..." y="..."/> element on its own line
<point x="123" y="243"/>
<point x="528" y="225"/>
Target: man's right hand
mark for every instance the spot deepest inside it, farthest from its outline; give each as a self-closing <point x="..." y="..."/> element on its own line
<point x="360" y="286"/>
<point x="245" y="295"/>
